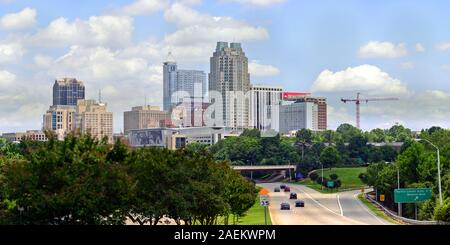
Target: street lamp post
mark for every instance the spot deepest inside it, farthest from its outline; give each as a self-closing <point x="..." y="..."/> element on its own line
<point x="398" y="187"/>
<point x="322" y="175"/>
<point x="438" y="166"/>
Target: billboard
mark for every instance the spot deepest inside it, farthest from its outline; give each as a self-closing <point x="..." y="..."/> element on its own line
<point x="147" y="137"/>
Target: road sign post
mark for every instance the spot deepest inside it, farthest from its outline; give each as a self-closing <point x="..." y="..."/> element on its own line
<point x="330" y="184"/>
<point x="264" y="199"/>
<point x="265" y="215"/>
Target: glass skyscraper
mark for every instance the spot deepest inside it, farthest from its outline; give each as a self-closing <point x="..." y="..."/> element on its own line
<point x="230" y="78"/>
<point x="68" y="91"/>
<point x="182" y="85"/>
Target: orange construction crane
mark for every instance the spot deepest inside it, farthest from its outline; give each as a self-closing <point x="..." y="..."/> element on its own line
<point x="358" y="101"/>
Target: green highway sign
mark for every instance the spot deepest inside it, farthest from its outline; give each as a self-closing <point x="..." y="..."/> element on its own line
<point x="412" y="195"/>
<point x="330" y="184"/>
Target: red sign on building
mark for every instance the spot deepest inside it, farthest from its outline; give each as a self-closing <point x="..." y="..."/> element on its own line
<point x="289" y="95"/>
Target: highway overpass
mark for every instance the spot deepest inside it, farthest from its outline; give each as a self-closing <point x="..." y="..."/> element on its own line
<point x="264" y="168"/>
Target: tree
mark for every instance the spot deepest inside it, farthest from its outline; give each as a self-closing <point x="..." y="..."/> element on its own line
<point x="68" y="182"/>
<point x="399" y="133"/>
<point x="330" y="157"/>
<point x="197" y="148"/>
<point x="255" y="133"/>
<point x="377" y="135"/>
<point x="442" y="213"/>
<point x="304" y="138"/>
<point x="348" y="131"/>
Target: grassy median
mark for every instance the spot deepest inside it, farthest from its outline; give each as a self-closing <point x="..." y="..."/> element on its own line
<point x="255" y="216"/>
<point x="349" y="178"/>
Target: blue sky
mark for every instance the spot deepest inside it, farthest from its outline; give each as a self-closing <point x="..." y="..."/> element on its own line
<point x="333" y="48"/>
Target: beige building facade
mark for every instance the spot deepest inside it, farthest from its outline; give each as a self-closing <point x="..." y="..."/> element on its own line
<point x="94" y="118"/>
<point x="143" y="117"/>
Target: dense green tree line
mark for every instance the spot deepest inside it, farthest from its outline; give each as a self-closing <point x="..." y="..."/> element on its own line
<point x="85" y="181"/>
<point x="347" y="146"/>
<point x="417" y="166"/>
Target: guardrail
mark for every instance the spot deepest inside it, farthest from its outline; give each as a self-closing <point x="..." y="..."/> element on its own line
<point x="403" y="219"/>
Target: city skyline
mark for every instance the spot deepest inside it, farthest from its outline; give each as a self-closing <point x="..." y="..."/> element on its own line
<point x="400" y="54"/>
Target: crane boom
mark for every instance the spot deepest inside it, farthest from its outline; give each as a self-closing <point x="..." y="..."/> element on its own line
<point x="360" y="100"/>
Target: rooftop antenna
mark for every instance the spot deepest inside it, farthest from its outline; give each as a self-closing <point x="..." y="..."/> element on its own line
<point x="145" y="100"/>
<point x="170" y="57"/>
<point x="99" y="96"/>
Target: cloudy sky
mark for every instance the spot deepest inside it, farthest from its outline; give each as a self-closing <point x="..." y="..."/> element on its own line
<point x="332" y="48"/>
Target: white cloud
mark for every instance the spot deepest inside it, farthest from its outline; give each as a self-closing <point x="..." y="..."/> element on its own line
<point x="43" y="61"/>
<point x="407" y="65"/>
<point x="6" y="78"/>
<point x="200" y="29"/>
<point x="21" y="20"/>
<point x="99" y="64"/>
<point x="364" y="78"/>
<point x="144" y="7"/>
<point x="11" y="52"/>
<point x="420" y="48"/>
<point x="259" y="70"/>
<point x="443" y="46"/>
<point x="190" y="2"/>
<point x="107" y="30"/>
<point x="375" y="49"/>
<point x="260" y="3"/>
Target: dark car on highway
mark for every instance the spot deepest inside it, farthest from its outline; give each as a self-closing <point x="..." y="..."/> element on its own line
<point x="299" y="204"/>
<point x="287" y="189"/>
<point x="285" y="206"/>
<point x="276" y="189"/>
<point x="282" y="186"/>
<point x="293" y="196"/>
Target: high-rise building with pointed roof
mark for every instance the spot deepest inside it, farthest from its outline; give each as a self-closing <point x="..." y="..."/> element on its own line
<point x="230" y="78"/>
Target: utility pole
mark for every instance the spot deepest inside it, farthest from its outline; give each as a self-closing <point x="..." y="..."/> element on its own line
<point x="398" y="187"/>
<point x="438" y="166"/>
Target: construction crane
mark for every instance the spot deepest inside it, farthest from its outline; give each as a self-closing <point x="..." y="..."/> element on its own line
<point x="360" y="100"/>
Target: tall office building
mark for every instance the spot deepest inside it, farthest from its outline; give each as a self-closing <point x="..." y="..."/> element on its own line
<point x="68" y="91"/>
<point x="265" y="102"/>
<point x="229" y="77"/>
<point x="182" y="85"/>
<point x="303" y="111"/>
<point x="298" y="115"/>
<point x="60" y="120"/>
<point x="321" y="102"/>
<point x="145" y="117"/>
<point x="93" y="118"/>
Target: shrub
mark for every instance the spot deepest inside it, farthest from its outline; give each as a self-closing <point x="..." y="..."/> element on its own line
<point x="313" y="176"/>
<point x="334" y="176"/>
<point x="442" y="213"/>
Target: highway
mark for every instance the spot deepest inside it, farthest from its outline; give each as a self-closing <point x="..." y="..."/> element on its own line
<point x="320" y="209"/>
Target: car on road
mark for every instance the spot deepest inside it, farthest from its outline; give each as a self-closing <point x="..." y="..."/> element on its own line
<point x="287" y="189"/>
<point x="285" y="206"/>
<point x="282" y="186"/>
<point x="293" y="195"/>
<point x="276" y="189"/>
<point x="299" y="204"/>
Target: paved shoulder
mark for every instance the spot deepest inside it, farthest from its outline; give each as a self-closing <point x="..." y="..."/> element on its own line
<point x="353" y="208"/>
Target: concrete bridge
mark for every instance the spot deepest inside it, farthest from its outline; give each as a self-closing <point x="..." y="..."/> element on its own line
<point x="286" y="170"/>
<point x="264" y="168"/>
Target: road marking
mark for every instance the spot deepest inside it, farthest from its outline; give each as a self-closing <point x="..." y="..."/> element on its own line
<point x="317" y="202"/>
<point x="367" y="209"/>
<point x="340" y="207"/>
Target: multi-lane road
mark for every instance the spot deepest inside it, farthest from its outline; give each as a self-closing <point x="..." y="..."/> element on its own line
<point x="320" y="209"/>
